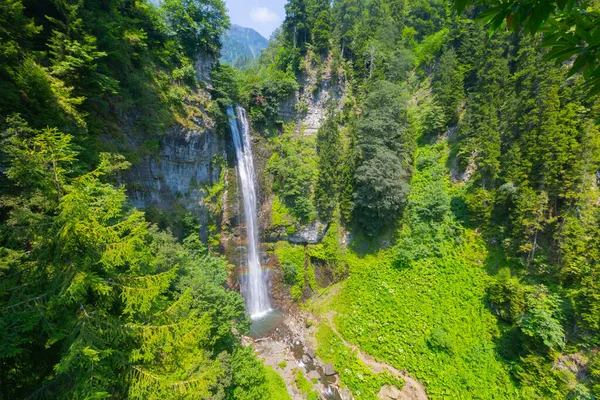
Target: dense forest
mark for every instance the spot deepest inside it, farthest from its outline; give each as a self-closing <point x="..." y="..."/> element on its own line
<point x="455" y="168"/>
<point x="96" y="301"/>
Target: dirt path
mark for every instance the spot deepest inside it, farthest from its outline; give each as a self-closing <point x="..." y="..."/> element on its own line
<point x="412" y="389"/>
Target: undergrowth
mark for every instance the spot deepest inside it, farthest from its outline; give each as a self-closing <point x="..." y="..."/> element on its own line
<point x="353" y="373"/>
<point x="421" y="305"/>
<point x="305" y="386"/>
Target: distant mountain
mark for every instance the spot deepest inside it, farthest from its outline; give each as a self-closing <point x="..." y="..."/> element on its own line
<point x="241" y="46"/>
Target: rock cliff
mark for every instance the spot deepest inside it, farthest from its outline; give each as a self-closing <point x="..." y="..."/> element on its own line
<point x="177" y="175"/>
<point x="320" y="87"/>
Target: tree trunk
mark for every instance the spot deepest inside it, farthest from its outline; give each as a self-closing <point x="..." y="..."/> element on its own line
<point x="294" y="36"/>
<point x="56" y="180"/>
<point x="371" y="64"/>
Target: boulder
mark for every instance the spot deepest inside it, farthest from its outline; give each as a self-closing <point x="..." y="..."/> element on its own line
<point x="313" y="375"/>
<point x="311" y="352"/>
<point x="328" y="370"/>
<point x="311" y="233"/>
<point x="305" y="359"/>
<point x="388" y="392"/>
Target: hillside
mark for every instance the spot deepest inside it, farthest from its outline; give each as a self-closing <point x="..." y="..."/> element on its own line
<point x="386" y="200"/>
<point x="241" y="46"/>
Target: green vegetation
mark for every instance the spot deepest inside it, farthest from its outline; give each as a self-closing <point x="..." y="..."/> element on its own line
<point x="490" y="277"/>
<point x="570" y="30"/>
<point x="293" y="264"/>
<point x="327" y="186"/>
<point x="421" y="303"/>
<point x="455" y="169"/>
<point x="293" y="166"/>
<point x="384" y="140"/>
<point x="277" y="389"/>
<point x="305" y="386"/>
<point x="281" y="216"/>
<point x="97" y="302"/>
<point x="354" y="374"/>
<point x="101" y="291"/>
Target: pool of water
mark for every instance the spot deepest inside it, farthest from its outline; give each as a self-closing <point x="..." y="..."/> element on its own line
<point x="266" y="324"/>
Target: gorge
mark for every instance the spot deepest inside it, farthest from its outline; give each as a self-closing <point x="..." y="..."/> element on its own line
<point x="386" y="200"/>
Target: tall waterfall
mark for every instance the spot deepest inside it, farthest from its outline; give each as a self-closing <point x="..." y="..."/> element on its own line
<point x="254" y="287"/>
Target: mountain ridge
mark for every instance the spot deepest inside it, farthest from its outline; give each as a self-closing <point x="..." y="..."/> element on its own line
<point x="242" y="45"/>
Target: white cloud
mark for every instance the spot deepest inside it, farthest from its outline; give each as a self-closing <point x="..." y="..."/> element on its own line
<point x="262" y="15"/>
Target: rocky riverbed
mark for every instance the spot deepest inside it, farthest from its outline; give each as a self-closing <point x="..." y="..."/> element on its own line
<point x="285" y="341"/>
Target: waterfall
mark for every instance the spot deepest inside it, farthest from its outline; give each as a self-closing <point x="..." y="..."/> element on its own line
<point x="254" y="287"/>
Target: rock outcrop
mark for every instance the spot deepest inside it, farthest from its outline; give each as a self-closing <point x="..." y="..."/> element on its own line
<point x="180" y="173"/>
<point x="177" y="171"/>
<point x="328" y="369"/>
<point x="318" y="88"/>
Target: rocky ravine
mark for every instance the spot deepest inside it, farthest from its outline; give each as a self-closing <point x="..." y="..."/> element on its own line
<point x="291" y="345"/>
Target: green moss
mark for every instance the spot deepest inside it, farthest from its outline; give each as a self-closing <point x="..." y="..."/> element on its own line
<point x="281" y="216"/>
<point x="330" y="251"/>
<point x="214" y="202"/>
<point x="150" y="146"/>
<point x="282" y="364"/>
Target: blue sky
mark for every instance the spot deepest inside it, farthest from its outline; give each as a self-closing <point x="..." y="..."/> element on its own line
<point x="263" y="16"/>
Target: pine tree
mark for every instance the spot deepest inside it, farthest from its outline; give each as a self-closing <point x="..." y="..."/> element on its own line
<point x="295" y="25"/>
<point x="328" y="180"/>
<point x="448" y="86"/>
<point x="344" y="15"/>
<point x="111" y="305"/>
<point x="320" y="25"/>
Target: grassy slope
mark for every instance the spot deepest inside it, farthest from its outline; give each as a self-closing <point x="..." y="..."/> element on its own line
<point x="427" y="314"/>
<point x="353" y="373"/>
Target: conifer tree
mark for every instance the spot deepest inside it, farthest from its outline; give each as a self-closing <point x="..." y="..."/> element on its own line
<point x="448" y="86"/>
<point x="328" y="181"/>
<point x="320" y="25"/>
<point x="296" y="25"/>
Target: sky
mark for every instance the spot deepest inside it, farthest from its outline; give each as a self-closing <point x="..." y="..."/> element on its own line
<point x="263" y="16"/>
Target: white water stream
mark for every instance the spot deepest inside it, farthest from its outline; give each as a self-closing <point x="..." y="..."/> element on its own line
<point x="254" y="286"/>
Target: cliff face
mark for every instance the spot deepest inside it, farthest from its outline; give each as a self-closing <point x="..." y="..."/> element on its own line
<point x="185" y="163"/>
<point x="320" y="87"/>
<point x="181" y="172"/>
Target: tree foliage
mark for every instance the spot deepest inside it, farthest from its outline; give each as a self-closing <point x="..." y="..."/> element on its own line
<point x="109" y="304"/>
